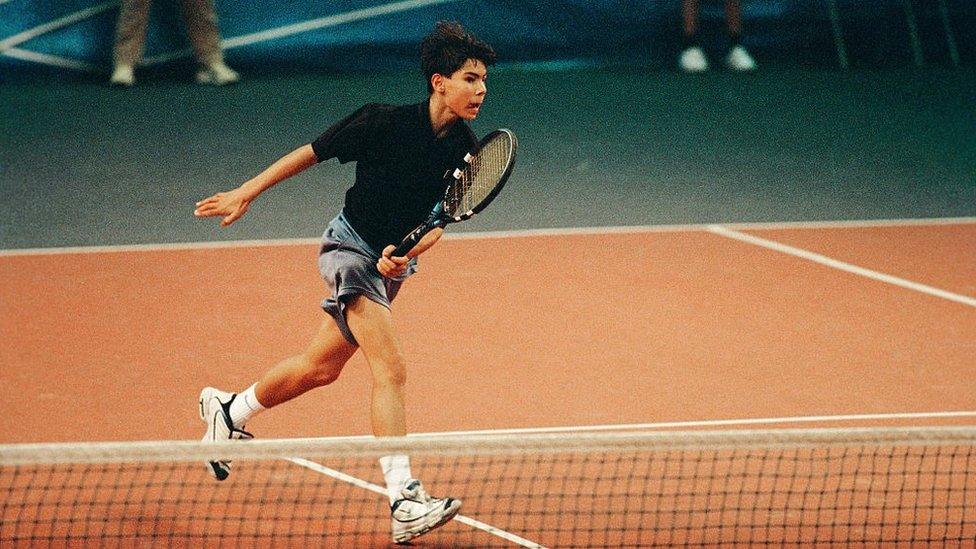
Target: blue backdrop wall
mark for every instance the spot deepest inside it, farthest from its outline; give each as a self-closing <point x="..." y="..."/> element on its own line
<point x="357" y="35"/>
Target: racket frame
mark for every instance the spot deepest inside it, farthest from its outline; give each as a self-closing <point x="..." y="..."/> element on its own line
<point x="439" y="218"/>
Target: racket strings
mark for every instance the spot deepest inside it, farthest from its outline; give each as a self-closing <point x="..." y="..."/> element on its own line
<point x="479" y="178"/>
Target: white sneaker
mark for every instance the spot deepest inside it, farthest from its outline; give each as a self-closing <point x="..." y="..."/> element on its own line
<point x="123" y="75"/>
<point x="217" y="74"/>
<point x="740" y="60"/>
<point x="693" y="60"/>
<point x="215" y="412"/>
<point x="416" y="513"/>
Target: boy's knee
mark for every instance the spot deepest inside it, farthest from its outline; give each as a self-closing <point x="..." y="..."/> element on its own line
<point x="321" y="372"/>
<point x="390" y="372"/>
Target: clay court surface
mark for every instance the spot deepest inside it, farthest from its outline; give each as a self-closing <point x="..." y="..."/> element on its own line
<point x="504" y="330"/>
<point x="777" y="325"/>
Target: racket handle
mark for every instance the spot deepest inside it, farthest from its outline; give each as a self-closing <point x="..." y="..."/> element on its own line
<point x="435" y="220"/>
<point x="409" y="242"/>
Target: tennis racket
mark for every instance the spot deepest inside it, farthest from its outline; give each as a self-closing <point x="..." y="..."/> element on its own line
<point x="473" y="186"/>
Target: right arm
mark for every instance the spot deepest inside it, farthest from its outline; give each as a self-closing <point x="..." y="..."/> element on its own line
<point x="392" y="266"/>
<point x="231" y="205"/>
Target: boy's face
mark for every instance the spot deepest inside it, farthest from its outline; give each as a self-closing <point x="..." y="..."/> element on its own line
<point x="464" y="91"/>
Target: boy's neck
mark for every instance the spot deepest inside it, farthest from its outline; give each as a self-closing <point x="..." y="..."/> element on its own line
<point x="441" y="117"/>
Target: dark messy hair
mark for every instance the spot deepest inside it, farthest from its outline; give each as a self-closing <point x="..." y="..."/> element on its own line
<point x="448" y="47"/>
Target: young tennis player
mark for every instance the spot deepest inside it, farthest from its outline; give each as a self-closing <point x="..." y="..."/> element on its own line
<point x="401" y="155"/>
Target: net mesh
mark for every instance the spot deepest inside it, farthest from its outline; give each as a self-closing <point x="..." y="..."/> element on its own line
<point x="479" y="178"/>
<point x="862" y="488"/>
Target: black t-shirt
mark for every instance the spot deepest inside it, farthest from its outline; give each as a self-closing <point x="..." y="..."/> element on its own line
<point x="400" y="167"/>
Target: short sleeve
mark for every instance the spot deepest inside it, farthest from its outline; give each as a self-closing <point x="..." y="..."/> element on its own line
<point x="350" y="138"/>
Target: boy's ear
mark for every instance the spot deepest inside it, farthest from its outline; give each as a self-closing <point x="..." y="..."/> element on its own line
<point x="437" y="82"/>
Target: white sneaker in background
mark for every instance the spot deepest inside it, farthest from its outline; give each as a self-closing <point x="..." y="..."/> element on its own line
<point x="217" y="74"/>
<point x="740" y="60"/>
<point x="416" y="513"/>
<point x="123" y="75"/>
<point x="693" y="60"/>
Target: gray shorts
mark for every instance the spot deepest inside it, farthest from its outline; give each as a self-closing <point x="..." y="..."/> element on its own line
<point x="348" y="266"/>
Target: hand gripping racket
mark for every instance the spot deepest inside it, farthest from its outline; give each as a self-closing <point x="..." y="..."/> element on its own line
<point x="473" y="186"/>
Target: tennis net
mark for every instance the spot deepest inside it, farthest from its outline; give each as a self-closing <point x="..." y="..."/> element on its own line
<point x="905" y="487"/>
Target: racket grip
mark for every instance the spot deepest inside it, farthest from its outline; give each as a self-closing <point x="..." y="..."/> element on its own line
<point x="436" y="219"/>
<point x="412" y="239"/>
<point x="408" y="243"/>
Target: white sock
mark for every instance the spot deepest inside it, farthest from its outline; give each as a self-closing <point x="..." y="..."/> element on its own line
<point x="244" y="407"/>
<point x="396" y="469"/>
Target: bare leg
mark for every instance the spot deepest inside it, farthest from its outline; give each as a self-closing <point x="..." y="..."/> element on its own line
<point x="413" y="511"/>
<point x="372" y="324"/>
<point x="319" y="365"/>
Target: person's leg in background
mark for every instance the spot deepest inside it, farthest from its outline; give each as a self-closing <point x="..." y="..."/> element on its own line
<point x="130" y="40"/>
<point x="692" y="57"/>
<point x="201" y="26"/>
<point x="738" y="58"/>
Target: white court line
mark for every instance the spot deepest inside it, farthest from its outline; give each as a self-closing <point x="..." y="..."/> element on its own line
<point x="692" y="227"/>
<point x="851" y="224"/>
<point x="688" y="424"/>
<point x="339" y="475"/>
<point x="618" y="427"/>
<point x="527" y="233"/>
<point x="305" y="26"/>
<point x="56" y="24"/>
<point x="7" y="45"/>
<point x="238" y="41"/>
<point x="52" y="60"/>
<point x="840" y="265"/>
<point x="174" y="246"/>
<point x="715" y="423"/>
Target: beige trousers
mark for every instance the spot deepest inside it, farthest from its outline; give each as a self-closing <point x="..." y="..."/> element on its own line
<point x="201" y="25"/>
